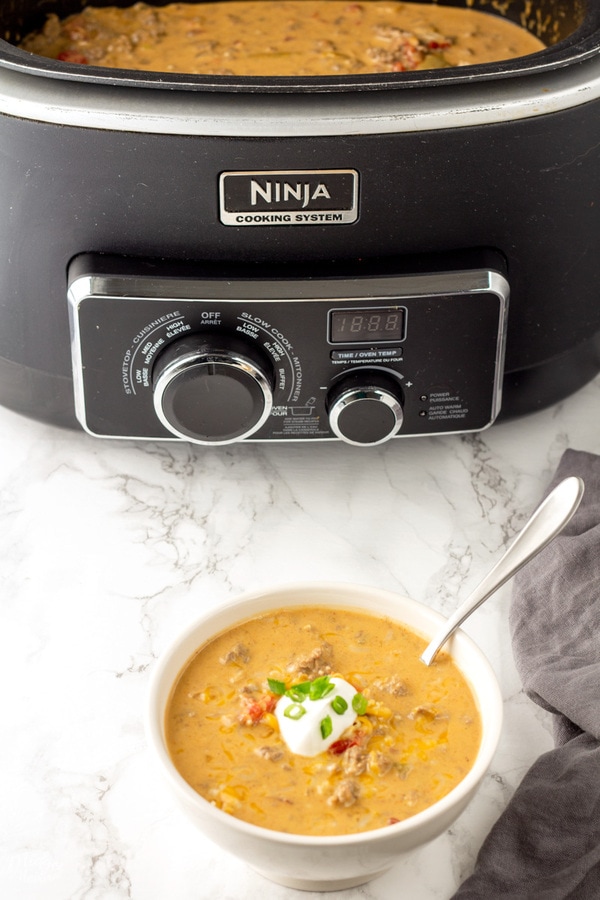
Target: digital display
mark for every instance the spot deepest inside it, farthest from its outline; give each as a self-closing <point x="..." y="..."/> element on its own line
<point x="365" y="326"/>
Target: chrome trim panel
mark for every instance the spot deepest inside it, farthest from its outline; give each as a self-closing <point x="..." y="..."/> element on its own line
<point x="274" y="290"/>
<point x="158" y="288"/>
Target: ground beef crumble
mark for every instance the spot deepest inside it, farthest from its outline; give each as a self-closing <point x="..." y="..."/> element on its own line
<point x="354" y="761"/>
<point x="381" y="762"/>
<point x="319" y="662"/>
<point x="393" y="685"/>
<point x="346" y="793"/>
<point x="237" y="654"/>
<point x="272" y="753"/>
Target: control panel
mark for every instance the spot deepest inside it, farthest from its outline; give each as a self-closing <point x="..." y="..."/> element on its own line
<point x="218" y="358"/>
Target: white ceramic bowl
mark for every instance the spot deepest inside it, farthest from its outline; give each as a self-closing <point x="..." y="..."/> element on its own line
<point x="309" y="862"/>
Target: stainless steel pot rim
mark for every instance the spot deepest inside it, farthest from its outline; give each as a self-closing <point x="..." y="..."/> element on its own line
<point x="86" y="104"/>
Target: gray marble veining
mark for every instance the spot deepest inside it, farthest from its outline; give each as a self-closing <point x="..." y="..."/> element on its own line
<point x="108" y="548"/>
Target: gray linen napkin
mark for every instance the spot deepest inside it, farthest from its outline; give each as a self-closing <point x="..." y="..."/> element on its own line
<point x="546" y="845"/>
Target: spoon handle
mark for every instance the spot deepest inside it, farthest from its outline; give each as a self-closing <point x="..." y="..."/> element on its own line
<point x="547" y="521"/>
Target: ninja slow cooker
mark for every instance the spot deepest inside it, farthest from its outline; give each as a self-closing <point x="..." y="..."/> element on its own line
<point x="216" y="259"/>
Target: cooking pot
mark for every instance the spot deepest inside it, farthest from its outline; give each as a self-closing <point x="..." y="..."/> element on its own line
<point x="217" y="259"/>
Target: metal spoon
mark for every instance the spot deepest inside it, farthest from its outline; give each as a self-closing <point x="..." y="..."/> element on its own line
<point x="547" y="521"/>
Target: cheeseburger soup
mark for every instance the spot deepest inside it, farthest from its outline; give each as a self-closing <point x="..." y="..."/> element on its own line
<point x="321" y="721"/>
<point x="288" y="37"/>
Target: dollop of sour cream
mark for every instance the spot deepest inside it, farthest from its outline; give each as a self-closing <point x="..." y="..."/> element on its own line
<point x="310" y="726"/>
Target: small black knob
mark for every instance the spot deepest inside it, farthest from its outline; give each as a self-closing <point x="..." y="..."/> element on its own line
<point x="212" y="391"/>
<point x="365" y="407"/>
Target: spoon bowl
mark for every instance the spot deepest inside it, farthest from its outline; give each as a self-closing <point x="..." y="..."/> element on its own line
<point x="547" y="521"/>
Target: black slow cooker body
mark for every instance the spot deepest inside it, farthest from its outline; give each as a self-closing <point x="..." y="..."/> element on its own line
<point x="510" y="178"/>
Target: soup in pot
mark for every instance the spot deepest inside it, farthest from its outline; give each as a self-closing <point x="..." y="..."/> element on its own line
<point x="321" y="721"/>
<point x="286" y="38"/>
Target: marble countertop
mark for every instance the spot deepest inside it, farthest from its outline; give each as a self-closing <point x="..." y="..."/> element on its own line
<point x="108" y="548"/>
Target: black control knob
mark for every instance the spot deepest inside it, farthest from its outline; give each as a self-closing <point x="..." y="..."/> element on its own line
<point x="212" y="390"/>
<point x="365" y="407"/>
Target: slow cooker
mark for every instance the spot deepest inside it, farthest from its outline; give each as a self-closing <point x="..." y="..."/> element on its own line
<point x="357" y="258"/>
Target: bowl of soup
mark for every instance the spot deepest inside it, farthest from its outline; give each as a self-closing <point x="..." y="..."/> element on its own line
<point x="299" y="730"/>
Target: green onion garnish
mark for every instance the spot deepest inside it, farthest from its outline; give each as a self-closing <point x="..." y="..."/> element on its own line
<point x="276" y="687"/>
<point x="339" y="705"/>
<point x="326" y="727"/>
<point x="359" y="704"/>
<point x="320" y="687"/>
<point x="294" y="711"/>
<point x="298" y="692"/>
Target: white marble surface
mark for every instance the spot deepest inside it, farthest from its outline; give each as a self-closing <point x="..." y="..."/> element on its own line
<point x="108" y="548"/>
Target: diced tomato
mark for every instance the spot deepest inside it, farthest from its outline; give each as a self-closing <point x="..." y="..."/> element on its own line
<point x="72" y="57"/>
<point x="271" y="702"/>
<point x="340" y="746"/>
<point x="255" y="708"/>
<point x="254" y="713"/>
<point x="392" y="821"/>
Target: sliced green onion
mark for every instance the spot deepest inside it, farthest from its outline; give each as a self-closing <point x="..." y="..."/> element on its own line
<point x="320" y="687"/>
<point x="294" y="711"/>
<point x="326" y="727"/>
<point x="359" y="704"/>
<point x="339" y="705"/>
<point x="294" y="693"/>
<point x="276" y="687"/>
<point x="299" y="692"/>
